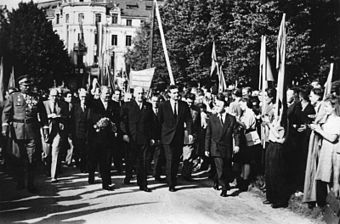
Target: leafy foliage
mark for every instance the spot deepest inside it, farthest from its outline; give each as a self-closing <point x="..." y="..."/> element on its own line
<point x="313" y="30"/>
<point x="33" y="47"/>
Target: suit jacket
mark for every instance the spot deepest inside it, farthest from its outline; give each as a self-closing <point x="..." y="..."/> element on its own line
<point x="195" y="113"/>
<point x="24" y="112"/>
<point x="173" y="127"/>
<point x="59" y="124"/>
<point x="219" y="139"/>
<point x="104" y="138"/>
<point x="156" y="127"/>
<point x="136" y="122"/>
<point x="80" y="121"/>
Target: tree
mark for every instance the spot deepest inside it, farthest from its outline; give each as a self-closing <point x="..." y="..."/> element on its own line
<point x="34" y="48"/>
<point x="313" y="30"/>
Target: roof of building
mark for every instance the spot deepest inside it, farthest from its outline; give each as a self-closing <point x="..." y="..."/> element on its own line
<point x="133" y="8"/>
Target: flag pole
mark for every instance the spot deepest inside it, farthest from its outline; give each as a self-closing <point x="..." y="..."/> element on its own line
<point x="280" y="65"/>
<point x="167" y="60"/>
<point x="328" y="83"/>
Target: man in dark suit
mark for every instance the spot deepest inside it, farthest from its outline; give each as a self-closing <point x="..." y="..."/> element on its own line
<point x="103" y="125"/>
<point x="156" y="149"/>
<point x="221" y="129"/>
<point x="57" y="114"/>
<point x="23" y="110"/>
<point x="173" y="114"/>
<point x="80" y="120"/>
<point x="190" y="148"/>
<point x="136" y="121"/>
<point x="118" y="152"/>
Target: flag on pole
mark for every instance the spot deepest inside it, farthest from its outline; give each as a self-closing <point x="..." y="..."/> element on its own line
<point x="266" y="74"/>
<point x="222" y="86"/>
<point x="214" y="63"/>
<point x="2" y="98"/>
<point x="328" y="83"/>
<point x="281" y="101"/>
<point x="11" y="82"/>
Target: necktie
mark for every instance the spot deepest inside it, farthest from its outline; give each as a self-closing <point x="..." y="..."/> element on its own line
<point x="53" y="107"/>
<point x="83" y="107"/>
<point x="221" y="119"/>
<point x="175" y="109"/>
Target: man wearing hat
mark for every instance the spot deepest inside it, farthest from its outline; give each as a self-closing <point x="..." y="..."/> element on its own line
<point x="26" y="113"/>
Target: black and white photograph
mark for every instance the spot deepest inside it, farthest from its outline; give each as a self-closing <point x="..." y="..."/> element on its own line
<point x="170" y="111"/>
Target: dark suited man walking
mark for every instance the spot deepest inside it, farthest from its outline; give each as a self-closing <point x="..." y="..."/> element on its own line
<point x="221" y="129"/>
<point x="80" y="120"/>
<point x="103" y="123"/>
<point x="173" y="114"/>
<point x="22" y="109"/>
<point x="136" y="127"/>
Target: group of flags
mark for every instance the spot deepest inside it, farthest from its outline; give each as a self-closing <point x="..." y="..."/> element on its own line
<point x="265" y="73"/>
<point x="215" y="67"/>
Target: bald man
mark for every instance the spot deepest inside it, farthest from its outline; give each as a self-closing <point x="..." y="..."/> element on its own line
<point x="57" y="114"/>
<point x="136" y="127"/>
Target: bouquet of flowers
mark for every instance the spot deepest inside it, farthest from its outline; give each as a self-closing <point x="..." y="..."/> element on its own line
<point x="104" y="123"/>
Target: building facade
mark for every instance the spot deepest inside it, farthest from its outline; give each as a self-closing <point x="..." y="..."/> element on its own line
<point x="97" y="33"/>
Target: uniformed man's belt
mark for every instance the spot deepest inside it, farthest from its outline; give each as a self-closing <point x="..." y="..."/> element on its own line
<point x="31" y="120"/>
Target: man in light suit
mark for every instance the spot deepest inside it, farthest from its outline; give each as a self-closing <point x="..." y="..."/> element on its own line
<point x="173" y="114"/>
<point x="57" y="114"/>
<point x="190" y="148"/>
<point x="222" y="128"/>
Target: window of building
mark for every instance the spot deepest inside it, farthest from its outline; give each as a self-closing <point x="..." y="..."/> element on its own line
<point x="148" y="7"/>
<point x="114" y="19"/>
<point x="128" y="40"/>
<point x="114" y="40"/>
<point x="95" y="59"/>
<point x="57" y="19"/>
<point x="131" y="6"/>
<point x="67" y="18"/>
<point x="81" y="17"/>
<point x="129" y="22"/>
<point x="98" y="18"/>
<point x="81" y="0"/>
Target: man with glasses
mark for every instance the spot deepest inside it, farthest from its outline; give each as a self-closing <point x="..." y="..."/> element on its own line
<point x="57" y="114"/>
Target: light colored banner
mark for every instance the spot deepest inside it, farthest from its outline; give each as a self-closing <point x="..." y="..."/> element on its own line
<point x="142" y="78"/>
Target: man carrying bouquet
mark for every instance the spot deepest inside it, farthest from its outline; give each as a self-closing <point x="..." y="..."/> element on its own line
<point x="102" y="136"/>
<point x="136" y="127"/>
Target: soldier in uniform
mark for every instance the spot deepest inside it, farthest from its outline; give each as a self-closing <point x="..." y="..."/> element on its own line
<point x="25" y="112"/>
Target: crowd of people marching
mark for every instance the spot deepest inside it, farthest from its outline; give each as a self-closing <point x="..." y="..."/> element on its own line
<point x="234" y="135"/>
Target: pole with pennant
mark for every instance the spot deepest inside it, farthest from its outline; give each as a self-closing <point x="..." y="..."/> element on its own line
<point x="328" y="83"/>
<point x="281" y="104"/>
<point x="2" y="98"/>
<point x="11" y="82"/>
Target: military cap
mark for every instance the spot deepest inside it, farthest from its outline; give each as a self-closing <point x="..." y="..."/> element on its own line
<point x="24" y="79"/>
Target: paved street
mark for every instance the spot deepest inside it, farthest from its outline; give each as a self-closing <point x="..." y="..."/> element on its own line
<point x="72" y="200"/>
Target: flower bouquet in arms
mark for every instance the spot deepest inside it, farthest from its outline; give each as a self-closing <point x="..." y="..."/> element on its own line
<point x="105" y="123"/>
